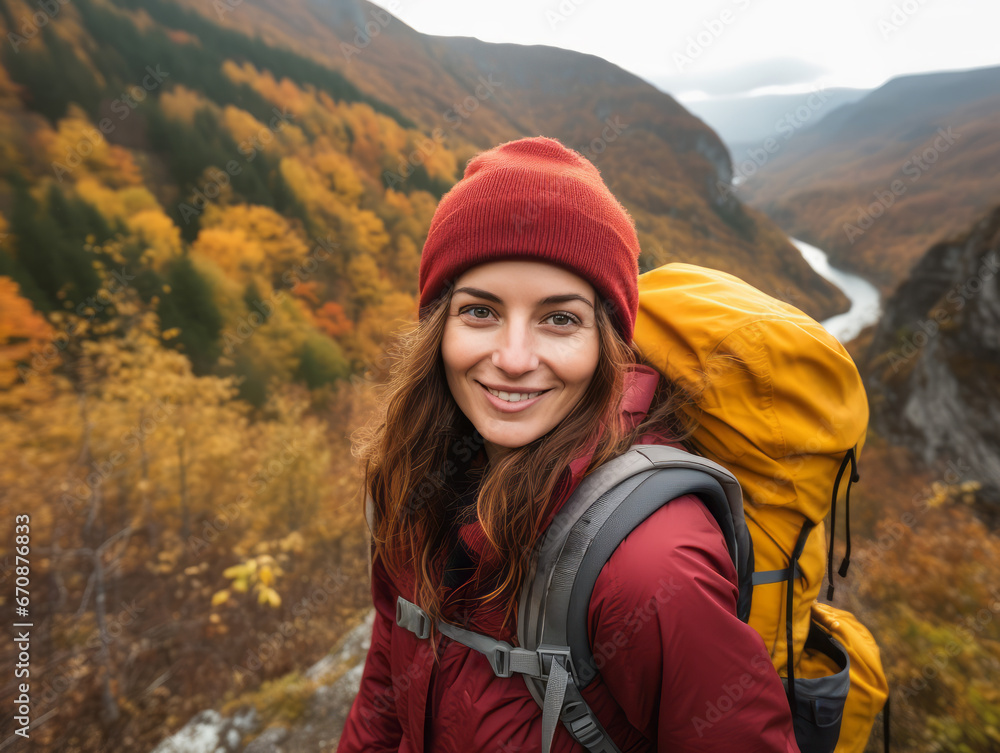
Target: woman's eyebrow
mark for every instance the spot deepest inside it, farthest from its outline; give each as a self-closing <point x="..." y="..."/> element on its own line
<point x="479" y="294"/>
<point x="544" y="302"/>
<point x="564" y="298"/>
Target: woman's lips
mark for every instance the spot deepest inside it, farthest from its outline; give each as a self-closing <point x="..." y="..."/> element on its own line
<point x="505" y="406"/>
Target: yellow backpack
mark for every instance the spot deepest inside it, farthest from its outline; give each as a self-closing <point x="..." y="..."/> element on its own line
<point x="780" y="404"/>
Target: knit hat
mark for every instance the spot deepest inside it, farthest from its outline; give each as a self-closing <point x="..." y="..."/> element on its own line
<point x="535" y="199"/>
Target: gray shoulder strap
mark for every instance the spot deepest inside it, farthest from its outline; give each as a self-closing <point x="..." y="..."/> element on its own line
<point x="554" y="655"/>
<point x="597" y="503"/>
<point x="604" y="509"/>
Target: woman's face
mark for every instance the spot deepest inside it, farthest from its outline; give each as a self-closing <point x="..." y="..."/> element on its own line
<point x="520" y="348"/>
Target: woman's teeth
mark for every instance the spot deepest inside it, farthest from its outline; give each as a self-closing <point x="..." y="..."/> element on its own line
<point x="513" y="397"/>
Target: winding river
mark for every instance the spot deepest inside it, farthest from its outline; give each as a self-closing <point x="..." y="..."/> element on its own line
<point x="866" y="305"/>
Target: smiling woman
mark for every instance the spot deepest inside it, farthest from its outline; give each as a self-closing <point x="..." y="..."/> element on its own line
<point x="520" y="380"/>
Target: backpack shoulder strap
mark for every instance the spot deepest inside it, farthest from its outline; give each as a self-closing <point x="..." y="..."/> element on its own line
<point x="554" y="655"/>
<point x="595" y="515"/>
<point x="609" y="503"/>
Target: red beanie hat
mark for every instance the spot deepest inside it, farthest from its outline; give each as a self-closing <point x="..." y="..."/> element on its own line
<point x="535" y="199"/>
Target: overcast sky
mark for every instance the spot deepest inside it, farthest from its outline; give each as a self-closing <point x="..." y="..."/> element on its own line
<point x="723" y="47"/>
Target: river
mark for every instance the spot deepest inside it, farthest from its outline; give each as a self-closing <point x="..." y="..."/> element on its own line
<point x="866" y="306"/>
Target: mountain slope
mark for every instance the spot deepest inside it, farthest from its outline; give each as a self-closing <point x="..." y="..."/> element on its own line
<point x="878" y="181"/>
<point x="663" y="163"/>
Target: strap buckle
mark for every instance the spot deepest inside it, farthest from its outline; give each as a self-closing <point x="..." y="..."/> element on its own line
<point x="499" y="659"/>
<point x="547" y="654"/>
<point x="413" y="618"/>
<point x="586" y="732"/>
<point x="537" y="663"/>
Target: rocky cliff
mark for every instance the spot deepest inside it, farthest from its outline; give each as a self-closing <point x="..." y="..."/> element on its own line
<point x="934" y="361"/>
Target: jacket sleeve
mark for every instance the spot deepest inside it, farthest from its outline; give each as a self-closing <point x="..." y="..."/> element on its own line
<point x="372" y="725"/>
<point x="684" y="669"/>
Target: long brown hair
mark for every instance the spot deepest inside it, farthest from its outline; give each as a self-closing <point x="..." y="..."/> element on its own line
<point x="409" y="450"/>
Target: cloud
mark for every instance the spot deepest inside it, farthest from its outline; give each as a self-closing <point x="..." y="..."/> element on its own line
<point x="742" y="79"/>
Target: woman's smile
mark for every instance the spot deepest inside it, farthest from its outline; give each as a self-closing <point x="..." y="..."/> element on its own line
<point x="513" y="401"/>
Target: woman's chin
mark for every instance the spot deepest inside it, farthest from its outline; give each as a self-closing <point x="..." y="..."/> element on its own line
<point x="497" y="444"/>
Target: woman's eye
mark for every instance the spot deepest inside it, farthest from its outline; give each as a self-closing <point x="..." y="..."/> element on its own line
<point x="563" y="319"/>
<point x="478" y="312"/>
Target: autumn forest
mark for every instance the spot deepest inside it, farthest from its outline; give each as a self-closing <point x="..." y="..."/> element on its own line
<point x="196" y="274"/>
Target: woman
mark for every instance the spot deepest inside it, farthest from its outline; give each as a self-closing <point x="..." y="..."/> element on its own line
<point x="519" y="380"/>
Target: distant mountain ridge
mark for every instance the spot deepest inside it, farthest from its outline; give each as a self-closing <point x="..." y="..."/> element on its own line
<point x="914" y="99"/>
<point x="743" y="122"/>
<point x="873" y="182"/>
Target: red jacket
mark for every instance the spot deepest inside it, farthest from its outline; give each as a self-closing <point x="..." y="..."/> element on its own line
<point x="680" y="671"/>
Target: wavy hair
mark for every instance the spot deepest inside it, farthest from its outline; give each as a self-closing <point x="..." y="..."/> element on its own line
<point x="408" y="451"/>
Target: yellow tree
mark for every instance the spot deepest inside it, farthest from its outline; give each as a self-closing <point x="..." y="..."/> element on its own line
<point x="77" y="148"/>
<point x="379" y="322"/>
<point x="338" y="171"/>
<point x="276" y="244"/>
<point x="366" y="285"/>
<point x="180" y="103"/>
<point x="233" y="250"/>
<point x="158" y="234"/>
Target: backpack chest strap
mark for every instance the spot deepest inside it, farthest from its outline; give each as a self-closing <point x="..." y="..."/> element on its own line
<point x="504" y="659"/>
<point x="551" y="664"/>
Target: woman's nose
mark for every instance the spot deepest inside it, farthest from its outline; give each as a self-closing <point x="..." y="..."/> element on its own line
<point x="515" y="352"/>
